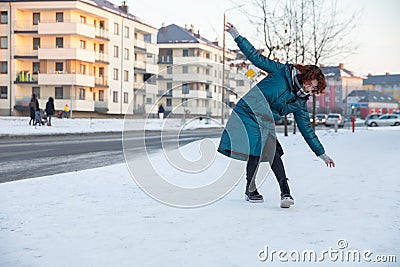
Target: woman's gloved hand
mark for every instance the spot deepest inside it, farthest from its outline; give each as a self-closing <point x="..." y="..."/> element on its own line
<point x="231" y="30"/>
<point x="328" y="160"/>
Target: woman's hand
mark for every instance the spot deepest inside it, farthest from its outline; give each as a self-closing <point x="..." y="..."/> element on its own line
<point x="328" y="161"/>
<point x="231" y="30"/>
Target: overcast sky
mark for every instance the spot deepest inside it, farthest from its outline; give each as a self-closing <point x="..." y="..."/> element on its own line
<point x="378" y="31"/>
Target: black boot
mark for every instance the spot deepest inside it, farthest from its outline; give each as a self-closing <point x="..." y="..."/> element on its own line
<point x="253" y="196"/>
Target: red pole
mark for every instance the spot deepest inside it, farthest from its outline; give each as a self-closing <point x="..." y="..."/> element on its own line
<point x="353" y="119"/>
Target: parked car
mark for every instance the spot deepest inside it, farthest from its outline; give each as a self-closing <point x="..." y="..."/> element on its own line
<point x="320" y="118"/>
<point x="282" y="120"/>
<point x="371" y="117"/>
<point x="334" y="118"/>
<point x="384" y="120"/>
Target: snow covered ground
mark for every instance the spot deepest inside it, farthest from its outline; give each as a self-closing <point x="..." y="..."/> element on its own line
<point x="100" y="217"/>
<point x="11" y="126"/>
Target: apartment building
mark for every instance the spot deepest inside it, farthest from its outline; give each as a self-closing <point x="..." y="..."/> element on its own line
<point x="340" y="82"/>
<point x="388" y="84"/>
<point x="80" y="52"/>
<point x="190" y="78"/>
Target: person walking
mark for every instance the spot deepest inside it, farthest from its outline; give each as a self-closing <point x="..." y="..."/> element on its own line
<point x="161" y="111"/>
<point x="249" y="134"/>
<point x="33" y="107"/>
<point x="50" y="110"/>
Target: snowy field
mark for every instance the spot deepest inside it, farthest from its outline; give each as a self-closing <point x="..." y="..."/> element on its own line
<point x="100" y="217"/>
<point x="11" y="126"/>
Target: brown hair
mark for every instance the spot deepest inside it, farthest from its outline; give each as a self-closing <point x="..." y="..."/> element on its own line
<point x="311" y="72"/>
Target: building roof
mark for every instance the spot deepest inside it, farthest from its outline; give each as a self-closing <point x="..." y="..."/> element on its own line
<point x="371" y="96"/>
<point x="104" y="4"/>
<point x="389" y="79"/>
<point x="339" y="72"/>
<point x="175" y="34"/>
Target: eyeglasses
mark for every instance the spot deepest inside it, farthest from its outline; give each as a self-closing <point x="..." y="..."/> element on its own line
<point x="314" y="89"/>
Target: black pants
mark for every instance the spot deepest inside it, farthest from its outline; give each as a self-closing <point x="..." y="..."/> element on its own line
<point x="277" y="167"/>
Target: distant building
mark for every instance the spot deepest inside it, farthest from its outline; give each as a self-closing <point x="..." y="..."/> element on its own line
<point x="389" y="84"/>
<point x="190" y="78"/>
<point x="89" y="54"/>
<point x="365" y="102"/>
<point x="340" y="82"/>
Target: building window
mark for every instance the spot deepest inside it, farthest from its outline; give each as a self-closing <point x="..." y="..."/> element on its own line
<point x="126" y="95"/>
<point x="59" y="94"/>
<point x="36" y="18"/>
<point x="185" y="89"/>
<point x="169" y="70"/>
<point x="101" y="95"/>
<point x="3" y="92"/>
<point x="36" y="67"/>
<point x="4" y="17"/>
<point x="59" y="42"/>
<point x="149" y="100"/>
<point x="4" y="42"/>
<point x="169" y="86"/>
<point x="147" y="38"/>
<point x="83" y="44"/>
<point x="115" y="97"/>
<point x="185" y="69"/>
<point x="116" y="74"/>
<point x="59" y="16"/>
<point x="59" y="66"/>
<point x="169" y="102"/>
<point x="83" y="69"/>
<point x="126" y="54"/>
<point x="36" y="43"/>
<point x="116" y="29"/>
<point x="82" y="94"/>
<point x="36" y="91"/>
<point x="240" y="83"/>
<point x="184" y="102"/>
<point x="126" y="75"/>
<point x="185" y="53"/>
<point x="126" y="31"/>
<point x="83" y="19"/>
<point x="4" y="67"/>
<point x="116" y="51"/>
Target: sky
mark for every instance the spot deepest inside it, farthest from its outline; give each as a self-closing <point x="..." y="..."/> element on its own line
<point x="377" y="34"/>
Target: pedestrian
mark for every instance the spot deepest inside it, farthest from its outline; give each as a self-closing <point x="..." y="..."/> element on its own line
<point x="66" y="111"/>
<point x="33" y="107"/>
<point x="161" y="111"/>
<point x="249" y="134"/>
<point x="50" y="110"/>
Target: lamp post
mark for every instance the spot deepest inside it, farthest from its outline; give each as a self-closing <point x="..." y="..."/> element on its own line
<point x="223" y="66"/>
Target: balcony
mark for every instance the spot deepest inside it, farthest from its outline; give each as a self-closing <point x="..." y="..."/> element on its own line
<point x="194" y="61"/>
<point x="164" y="59"/>
<point x="192" y="94"/>
<point x="25" y="52"/>
<point x="100" y="106"/>
<point x="101" y="33"/>
<point x="101" y="82"/>
<point x="66" y="79"/>
<point x="66" y="28"/>
<point x="192" y="77"/>
<point x="101" y="57"/>
<point x="26" y="77"/>
<point x="25" y="26"/>
<point x="151" y="68"/>
<point x="66" y="53"/>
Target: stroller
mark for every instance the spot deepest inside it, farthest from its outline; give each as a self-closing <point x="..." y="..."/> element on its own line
<point x="40" y="117"/>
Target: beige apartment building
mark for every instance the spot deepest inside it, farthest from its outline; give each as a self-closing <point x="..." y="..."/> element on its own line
<point x="89" y="54"/>
<point x="190" y="78"/>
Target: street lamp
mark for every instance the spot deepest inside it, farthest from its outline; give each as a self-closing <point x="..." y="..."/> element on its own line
<point x="223" y="65"/>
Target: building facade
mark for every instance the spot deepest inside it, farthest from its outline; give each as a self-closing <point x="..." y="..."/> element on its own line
<point x="340" y="82"/>
<point x="81" y="53"/>
<point x="191" y="73"/>
<point x="388" y="84"/>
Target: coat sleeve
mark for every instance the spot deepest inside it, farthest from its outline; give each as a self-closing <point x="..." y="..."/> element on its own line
<point x="306" y="130"/>
<point x="256" y="58"/>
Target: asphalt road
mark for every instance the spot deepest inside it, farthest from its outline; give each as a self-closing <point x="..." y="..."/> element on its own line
<point x="29" y="157"/>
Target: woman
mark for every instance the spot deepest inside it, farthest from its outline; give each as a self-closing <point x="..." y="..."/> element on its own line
<point x="50" y="110"/>
<point x="249" y="134"/>
<point x="33" y="107"/>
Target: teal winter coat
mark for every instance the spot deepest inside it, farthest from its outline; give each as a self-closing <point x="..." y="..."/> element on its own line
<point x="251" y="128"/>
